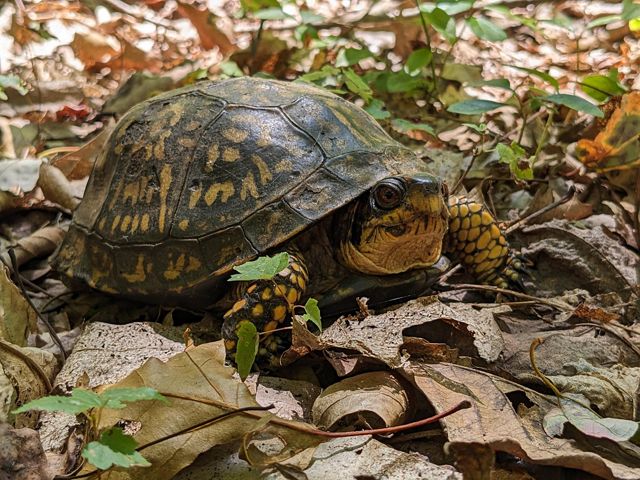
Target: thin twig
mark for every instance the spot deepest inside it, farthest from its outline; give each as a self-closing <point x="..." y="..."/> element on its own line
<point x="490" y="288"/>
<point x="52" y="332"/>
<point x="523" y="221"/>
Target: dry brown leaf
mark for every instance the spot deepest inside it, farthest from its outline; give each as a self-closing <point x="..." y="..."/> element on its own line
<point x="204" y="22"/>
<point x="492" y="420"/>
<point x="30" y="373"/>
<point x="56" y="188"/>
<point x="473" y="331"/>
<point x="92" y="49"/>
<point x="369" y="400"/>
<point x="17" y="318"/>
<point x="21" y="456"/>
<point x="198" y="374"/>
<point x="40" y="243"/>
<point x="77" y="165"/>
<point x="132" y="58"/>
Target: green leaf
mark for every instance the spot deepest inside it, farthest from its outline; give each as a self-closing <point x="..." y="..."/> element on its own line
<point x="480" y="128"/>
<point x="312" y="313"/>
<point x="630" y="10"/>
<point x="601" y="87"/>
<point x="486" y="30"/>
<point x="326" y="72"/>
<point x="79" y="401"/>
<point x="417" y="61"/>
<point x="273" y="13"/>
<point x="255" y="5"/>
<point x="402" y="82"/>
<point x="575" y="103"/>
<point x="308" y="17"/>
<point x="441" y="22"/>
<point x="247" y="347"/>
<point x="502" y="83"/>
<point x="114" y="448"/>
<point x="606" y="20"/>
<point x="376" y="110"/>
<point x="634" y="24"/>
<point x="407" y="126"/>
<point x="356" y="85"/>
<point x="456" y="7"/>
<point x="515" y="157"/>
<point x="474" y="107"/>
<point x="12" y="81"/>
<point x="231" y="69"/>
<point x="262" y="268"/>
<point x="350" y="56"/>
<point x="542" y="75"/>
<point x="117" y="397"/>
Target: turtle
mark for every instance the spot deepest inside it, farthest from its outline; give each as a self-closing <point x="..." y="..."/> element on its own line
<point x="201" y="179"/>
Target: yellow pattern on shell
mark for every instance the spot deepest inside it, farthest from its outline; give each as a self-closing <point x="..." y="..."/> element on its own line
<point x="225" y="190"/>
<point x="249" y="187"/>
<point x="174" y="269"/>
<point x="263" y="169"/>
<point x="235" y="135"/>
<point x="212" y="156"/>
<point x="230" y="154"/>
<point x="138" y="275"/>
<point x="165" y="183"/>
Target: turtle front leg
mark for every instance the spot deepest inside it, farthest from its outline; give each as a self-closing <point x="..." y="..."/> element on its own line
<point x="267" y="304"/>
<point x="476" y="241"/>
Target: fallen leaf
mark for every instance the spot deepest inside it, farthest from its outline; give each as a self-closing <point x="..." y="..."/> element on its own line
<point x="617" y="147"/>
<point x="56" y="188"/>
<point x="199" y="388"/>
<point x="40" y="243"/>
<point x="93" y="48"/>
<point x="205" y="24"/>
<point x="493" y="420"/>
<point x="21" y="457"/>
<point x="17" y="318"/>
<point x="77" y="165"/>
<point x="369" y="400"/>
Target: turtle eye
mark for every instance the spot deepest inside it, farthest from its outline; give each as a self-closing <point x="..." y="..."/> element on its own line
<point x="388" y="194"/>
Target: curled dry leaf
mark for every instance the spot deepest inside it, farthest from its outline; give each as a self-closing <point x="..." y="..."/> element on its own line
<point x="25" y="374"/>
<point x="17" y="318"/>
<point x="200" y="388"/>
<point x="205" y="24"/>
<point x="77" y="165"/>
<point x="40" y="243"/>
<point x="93" y="48"/>
<point x="473" y="331"/>
<point x="369" y="400"/>
<point x="494" y="420"/>
<point x="56" y="188"/>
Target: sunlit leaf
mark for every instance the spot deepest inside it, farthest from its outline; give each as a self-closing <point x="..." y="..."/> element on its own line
<point x="273" y="13"/>
<point x="418" y="60"/>
<point x="262" y="268"/>
<point x="601" y="87"/>
<point x="247" y="347"/>
<point x="407" y="126"/>
<point x="441" y="22"/>
<point x="474" y="107"/>
<point x="356" y="85"/>
<point x="114" y="448"/>
<point x="350" y="56"/>
<point x="119" y="397"/>
<point x="312" y="313"/>
<point x="79" y="401"/>
<point x="515" y="156"/>
<point x="575" y="103"/>
<point x="486" y="30"/>
<point x="376" y="110"/>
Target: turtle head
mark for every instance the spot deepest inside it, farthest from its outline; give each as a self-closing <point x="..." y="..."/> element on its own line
<point x="396" y="226"/>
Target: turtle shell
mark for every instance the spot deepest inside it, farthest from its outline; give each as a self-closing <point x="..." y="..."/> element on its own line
<point x="203" y="178"/>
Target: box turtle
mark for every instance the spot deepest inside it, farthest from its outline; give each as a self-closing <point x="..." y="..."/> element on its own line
<point x="207" y="177"/>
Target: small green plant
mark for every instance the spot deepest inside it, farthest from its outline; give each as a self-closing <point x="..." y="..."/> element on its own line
<point x="264" y="268"/>
<point x="112" y="446"/>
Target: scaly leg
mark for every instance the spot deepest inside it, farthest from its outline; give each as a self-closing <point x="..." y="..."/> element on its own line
<point x="267" y="304"/>
<point x="476" y="241"/>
